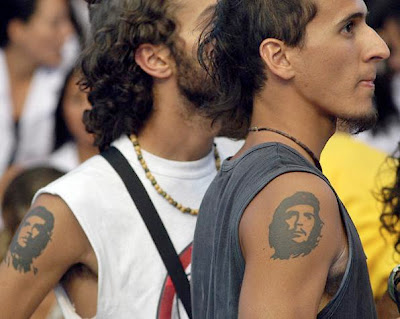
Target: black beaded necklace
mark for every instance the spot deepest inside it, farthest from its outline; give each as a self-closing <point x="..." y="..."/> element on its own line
<point x="303" y="146"/>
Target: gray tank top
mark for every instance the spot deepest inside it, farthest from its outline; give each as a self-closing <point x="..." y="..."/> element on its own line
<point x="218" y="265"/>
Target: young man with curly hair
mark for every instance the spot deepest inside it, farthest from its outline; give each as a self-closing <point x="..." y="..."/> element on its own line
<point x="147" y="92"/>
<point x="289" y="73"/>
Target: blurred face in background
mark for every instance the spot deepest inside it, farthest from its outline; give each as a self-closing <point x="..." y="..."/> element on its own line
<point x="43" y="35"/>
<point x="391" y="34"/>
<point x="75" y="103"/>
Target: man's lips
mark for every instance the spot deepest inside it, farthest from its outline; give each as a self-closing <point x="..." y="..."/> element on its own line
<point x="368" y="80"/>
<point x="368" y="83"/>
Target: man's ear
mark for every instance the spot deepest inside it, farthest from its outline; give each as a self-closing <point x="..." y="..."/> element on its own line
<point x="275" y="55"/>
<point x="155" y="60"/>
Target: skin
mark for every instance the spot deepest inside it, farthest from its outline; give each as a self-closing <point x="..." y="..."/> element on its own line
<point x="174" y="131"/>
<point x="301" y="222"/>
<point x="29" y="230"/>
<point x="327" y="79"/>
<point x="170" y="132"/>
<point x="31" y="238"/>
<point x="386" y="308"/>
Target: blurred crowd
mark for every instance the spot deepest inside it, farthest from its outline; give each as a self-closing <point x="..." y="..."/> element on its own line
<point x="43" y="136"/>
<point x="41" y="106"/>
<point x="41" y="103"/>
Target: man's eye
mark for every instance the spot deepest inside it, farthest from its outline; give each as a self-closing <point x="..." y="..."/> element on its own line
<point x="348" y="28"/>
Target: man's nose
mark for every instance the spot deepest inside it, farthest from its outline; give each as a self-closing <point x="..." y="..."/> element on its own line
<point x="377" y="48"/>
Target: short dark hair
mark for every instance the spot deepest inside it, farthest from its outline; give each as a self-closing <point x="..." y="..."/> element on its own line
<point x="235" y="34"/>
<point x="14" y="9"/>
<point x="119" y="90"/>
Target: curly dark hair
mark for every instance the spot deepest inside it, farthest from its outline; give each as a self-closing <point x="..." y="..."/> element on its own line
<point x="119" y="90"/>
<point x="235" y="34"/>
<point x="390" y="196"/>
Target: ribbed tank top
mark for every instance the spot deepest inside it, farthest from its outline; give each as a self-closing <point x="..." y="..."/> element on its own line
<point x="216" y="285"/>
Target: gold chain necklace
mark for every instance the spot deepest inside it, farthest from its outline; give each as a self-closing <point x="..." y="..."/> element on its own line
<point x="157" y="187"/>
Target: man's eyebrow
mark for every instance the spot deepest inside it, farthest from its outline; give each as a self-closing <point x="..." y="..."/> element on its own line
<point x="356" y="15"/>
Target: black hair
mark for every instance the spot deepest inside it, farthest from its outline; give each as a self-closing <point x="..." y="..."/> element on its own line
<point x="14" y="9"/>
<point x="119" y="90"/>
<point x="229" y="50"/>
<point x="382" y="10"/>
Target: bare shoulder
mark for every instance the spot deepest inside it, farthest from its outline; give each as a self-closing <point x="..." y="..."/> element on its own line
<point x="301" y="212"/>
<point x="61" y="232"/>
<point x="291" y="234"/>
<point x="47" y="243"/>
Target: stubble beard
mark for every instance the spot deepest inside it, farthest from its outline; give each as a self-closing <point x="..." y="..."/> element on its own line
<point x="355" y="125"/>
<point x="197" y="91"/>
<point x="193" y="82"/>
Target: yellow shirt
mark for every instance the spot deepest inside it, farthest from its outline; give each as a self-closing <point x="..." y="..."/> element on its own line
<point x="358" y="172"/>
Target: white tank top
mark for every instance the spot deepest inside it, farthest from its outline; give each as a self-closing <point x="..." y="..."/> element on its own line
<point x="132" y="279"/>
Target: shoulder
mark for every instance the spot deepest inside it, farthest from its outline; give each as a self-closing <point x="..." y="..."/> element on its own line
<point x="295" y="214"/>
<point x="290" y="236"/>
<point x="47" y="243"/>
<point x="61" y="224"/>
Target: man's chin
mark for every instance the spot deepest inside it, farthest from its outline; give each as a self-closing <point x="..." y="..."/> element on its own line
<point x="357" y="125"/>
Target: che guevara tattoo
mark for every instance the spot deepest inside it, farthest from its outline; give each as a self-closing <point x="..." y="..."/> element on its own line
<point x="296" y="226"/>
<point x="30" y="240"/>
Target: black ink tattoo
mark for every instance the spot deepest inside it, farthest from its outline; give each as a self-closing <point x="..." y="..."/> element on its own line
<point x="31" y="239"/>
<point x="296" y="226"/>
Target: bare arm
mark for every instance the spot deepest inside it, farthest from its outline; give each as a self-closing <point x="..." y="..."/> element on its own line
<point x="290" y="235"/>
<point x="386" y="308"/>
<point x="48" y="242"/>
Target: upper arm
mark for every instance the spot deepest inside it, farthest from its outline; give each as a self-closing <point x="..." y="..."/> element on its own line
<point x="290" y="235"/>
<point x="48" y="241"/>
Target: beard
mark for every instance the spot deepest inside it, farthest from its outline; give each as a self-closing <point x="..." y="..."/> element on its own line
<point x="194" y="83"/>
<point x="359" y="124"/>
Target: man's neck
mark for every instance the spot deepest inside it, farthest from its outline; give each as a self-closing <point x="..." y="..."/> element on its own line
<point x="86" y="151"/>
<point x="173" y="131"/>
<point x="301" y="121"/>
<point x="20" y="67"/>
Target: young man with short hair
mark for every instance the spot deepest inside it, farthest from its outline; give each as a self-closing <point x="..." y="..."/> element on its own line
<point x="289" y="72"/>
<point x="147" y="92"/>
